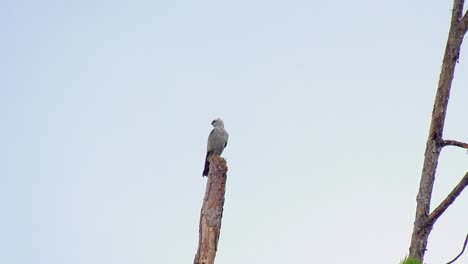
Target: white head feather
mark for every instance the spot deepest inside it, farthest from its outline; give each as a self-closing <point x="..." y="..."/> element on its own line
<point x="218" y="122"/>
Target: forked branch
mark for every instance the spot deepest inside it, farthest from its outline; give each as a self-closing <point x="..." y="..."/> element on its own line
<point x="457" y="10"/>
<point x="464" y="23"/>
<point x="423" y="220"/>
<point x="448" y="200"/>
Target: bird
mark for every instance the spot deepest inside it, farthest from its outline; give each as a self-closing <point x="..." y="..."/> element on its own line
<point x="217" y="141"/>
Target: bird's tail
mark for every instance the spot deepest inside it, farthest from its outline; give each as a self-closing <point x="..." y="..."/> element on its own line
<point x="207" y="164"/>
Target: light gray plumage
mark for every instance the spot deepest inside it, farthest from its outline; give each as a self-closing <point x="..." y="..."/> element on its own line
<point x="217" y="141"/>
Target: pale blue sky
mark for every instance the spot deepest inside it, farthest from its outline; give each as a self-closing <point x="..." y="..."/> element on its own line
<point x="105" y="108"/>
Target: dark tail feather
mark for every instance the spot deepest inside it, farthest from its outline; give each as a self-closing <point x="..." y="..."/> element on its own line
<point x="207" y="165"/>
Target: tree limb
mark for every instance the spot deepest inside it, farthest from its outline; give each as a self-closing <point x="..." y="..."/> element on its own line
<point x="464" y="23"/>
<point x="448" y="200"/>
<point x="457" y="10"/>
<point x="463" y="250"/>
<point x="424" y="221"/>
<point x="454" y="143"/>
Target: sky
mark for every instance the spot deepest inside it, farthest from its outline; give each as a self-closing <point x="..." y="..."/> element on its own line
<point x="105" y="109"/>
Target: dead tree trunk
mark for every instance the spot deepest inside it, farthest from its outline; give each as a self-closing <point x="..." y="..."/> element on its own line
<point x="212" y="212"/>
<point x="424" y="220"/>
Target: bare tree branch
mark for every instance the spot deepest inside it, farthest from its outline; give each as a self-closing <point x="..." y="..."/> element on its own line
<point x="422" y="226"/>
<point x="461" y="253"/>
<point x="448" y="200"/>
<point x="464" y="23"/>
<point x="457" y="10"/>
<point x="454" y="143"/>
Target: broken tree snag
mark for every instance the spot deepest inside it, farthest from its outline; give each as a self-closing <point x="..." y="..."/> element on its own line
<point x="212" y="212"/>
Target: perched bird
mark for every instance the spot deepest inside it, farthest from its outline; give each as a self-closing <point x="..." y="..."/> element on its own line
<point x="217" y="141"/>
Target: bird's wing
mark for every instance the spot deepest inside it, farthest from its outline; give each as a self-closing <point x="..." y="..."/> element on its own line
<point x="211" y="139"/>
<point x="226" y="137"/>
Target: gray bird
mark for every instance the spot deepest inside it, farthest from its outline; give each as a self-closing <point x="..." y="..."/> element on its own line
<point x="217" y="141"/>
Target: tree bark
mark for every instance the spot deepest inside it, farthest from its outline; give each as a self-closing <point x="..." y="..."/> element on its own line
<point x="422" y="224"/>
<point x="212" y="212"/>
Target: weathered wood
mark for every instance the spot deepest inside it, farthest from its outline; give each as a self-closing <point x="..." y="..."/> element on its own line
<point x="422" y="224"/>
<point x="212" y="212"/>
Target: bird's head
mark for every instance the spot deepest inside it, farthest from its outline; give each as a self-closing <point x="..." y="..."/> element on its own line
<point x="218" y="122"/>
